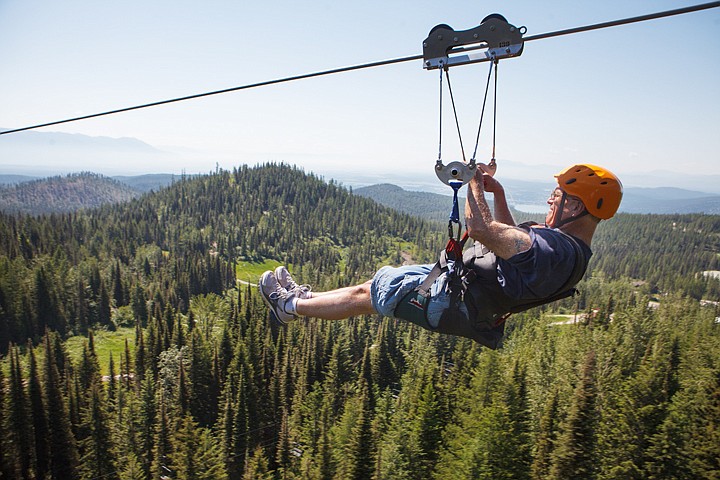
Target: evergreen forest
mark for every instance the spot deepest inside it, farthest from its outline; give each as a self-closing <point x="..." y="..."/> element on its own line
<point x="63" y="194"/>
<point x="134" y="345"/>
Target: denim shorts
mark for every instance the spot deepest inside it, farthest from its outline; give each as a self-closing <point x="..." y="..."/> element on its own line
<point x="391" y="284"/>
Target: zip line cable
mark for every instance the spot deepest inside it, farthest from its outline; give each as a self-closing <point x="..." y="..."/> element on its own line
<point x="597" y="26"/>
<point x="615" y="23"/>
<point x="226" y="90"/>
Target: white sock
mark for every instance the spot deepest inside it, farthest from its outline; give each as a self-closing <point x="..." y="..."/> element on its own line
<point x="291" y="305"/>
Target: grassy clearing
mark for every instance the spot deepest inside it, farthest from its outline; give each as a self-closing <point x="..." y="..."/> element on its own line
<point x="106" y="343"/>
<point x="251" y="271"/>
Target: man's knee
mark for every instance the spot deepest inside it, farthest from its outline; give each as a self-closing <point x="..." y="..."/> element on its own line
<point x="362" y="291"/>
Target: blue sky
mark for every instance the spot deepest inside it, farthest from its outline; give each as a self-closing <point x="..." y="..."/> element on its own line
<point x="632" y="98"/>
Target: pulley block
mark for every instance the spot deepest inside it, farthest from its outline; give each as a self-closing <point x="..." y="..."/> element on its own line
<point x="443" y="47"/>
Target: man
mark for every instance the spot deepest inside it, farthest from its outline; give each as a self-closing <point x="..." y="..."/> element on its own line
<point x="510" y="268"/>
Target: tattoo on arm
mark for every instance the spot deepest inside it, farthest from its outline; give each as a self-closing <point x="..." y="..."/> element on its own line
<point x="520" y="245"/>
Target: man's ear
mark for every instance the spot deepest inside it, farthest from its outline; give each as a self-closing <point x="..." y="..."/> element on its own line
<point x="576" y="208"/>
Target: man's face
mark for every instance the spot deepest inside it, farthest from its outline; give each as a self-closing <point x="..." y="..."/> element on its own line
<point x="572" y="207"/>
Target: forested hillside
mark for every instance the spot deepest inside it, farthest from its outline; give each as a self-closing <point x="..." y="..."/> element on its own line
<point x="63" y="194"/>
<point x="431" y="206"/>
<point x="621" y="382"/>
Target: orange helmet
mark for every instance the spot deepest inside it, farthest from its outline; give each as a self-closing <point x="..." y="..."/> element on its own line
<point x="599" y="189"/>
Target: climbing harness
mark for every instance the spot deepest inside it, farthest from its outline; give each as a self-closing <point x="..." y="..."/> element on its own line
<point x="476" y="287"/>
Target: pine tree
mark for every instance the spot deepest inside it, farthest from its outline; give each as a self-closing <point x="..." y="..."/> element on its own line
<point x="63" y="456"/>
<point x="147" y="424"/>
<point x="89" y="367"/>
<point x="131" y="468"/>
<point x="282" y="451"/>
<point x="573" y="456"/>
<point x="182" y="460"/>
<point x="641" y="409"/>
<point x="489" y="456"/>
<point x="178" y="336"/>
<point x="18" y="440"/>
<point x="383" y="367"/>
<point x="240" y="427"/>
<point x="5" y="460"/>
<point x="215" y="391"/>
<point x="112" y="387"/>
<point x="195" y="454"/>
<point x="38" y="414"/>
<point x="705" y="445"/>
<point x="139" y="306"/>
<point x="225" y="351"/>
<point x="7" y="330"/>
<point x="105" y="308"/>
<point x="162" y="448"/>
<point x="117" y="286"/>
<point x="352" y="442"/>
<point x="365" y="378"/>
<point x="257" y="467"/>
<point x="362" y="447"/>
<point x="140" y="366"/>
<point x="429" y="421"/>
<point x="518" y="446"/>
<point x="686" y="446"/>
<point x="324" y="446"/>
<point x="97" y="460"/>
<point x="203" y="402"/>
<point x="82" y="309"/>
<point x="61" y="358"/>
<point x="545" y="441"/>
<point x="183" y="392"/>
<point x="75" y="401"/>
<point x="338" y="373"/>
<point x="47" y="314"/>
<point x="211" y="465"/>
<point x="226" y="429"/>
<point x="126" y="427"/>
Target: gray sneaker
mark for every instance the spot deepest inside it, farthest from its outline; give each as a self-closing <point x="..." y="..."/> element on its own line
<point x="275" y="297"/>
<point x="288" y="283"/>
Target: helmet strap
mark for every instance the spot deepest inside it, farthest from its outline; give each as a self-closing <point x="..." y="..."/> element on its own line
<point x="559" y="221"/>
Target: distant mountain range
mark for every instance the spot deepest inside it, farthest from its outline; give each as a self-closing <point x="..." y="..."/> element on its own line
<point x="22" y="193"/>
<point x="530" y="197"/>
<point x="31" y="156"/>
<point x="41" y="154"/>
<point x="669" y="200"/>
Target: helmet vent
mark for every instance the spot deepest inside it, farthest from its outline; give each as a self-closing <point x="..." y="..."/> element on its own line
<point x="591" y="174"/>
<point x="599" y="204"/>
<point x="604" y="183"/>
<point x="572" y="180"/>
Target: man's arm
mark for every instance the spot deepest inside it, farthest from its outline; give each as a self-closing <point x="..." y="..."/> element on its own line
<point x="502" y="211"/>
<point x="505" y="239"/>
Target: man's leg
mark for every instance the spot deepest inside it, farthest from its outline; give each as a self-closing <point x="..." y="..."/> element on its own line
<point x="392" y="285"/>
<point x="338" y="304"/>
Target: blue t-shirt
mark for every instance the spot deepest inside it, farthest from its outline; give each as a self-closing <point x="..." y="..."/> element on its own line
<point x="541" y="270"/>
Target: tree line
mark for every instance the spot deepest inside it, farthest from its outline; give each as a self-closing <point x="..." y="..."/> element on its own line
<point x="208" y="388"/>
